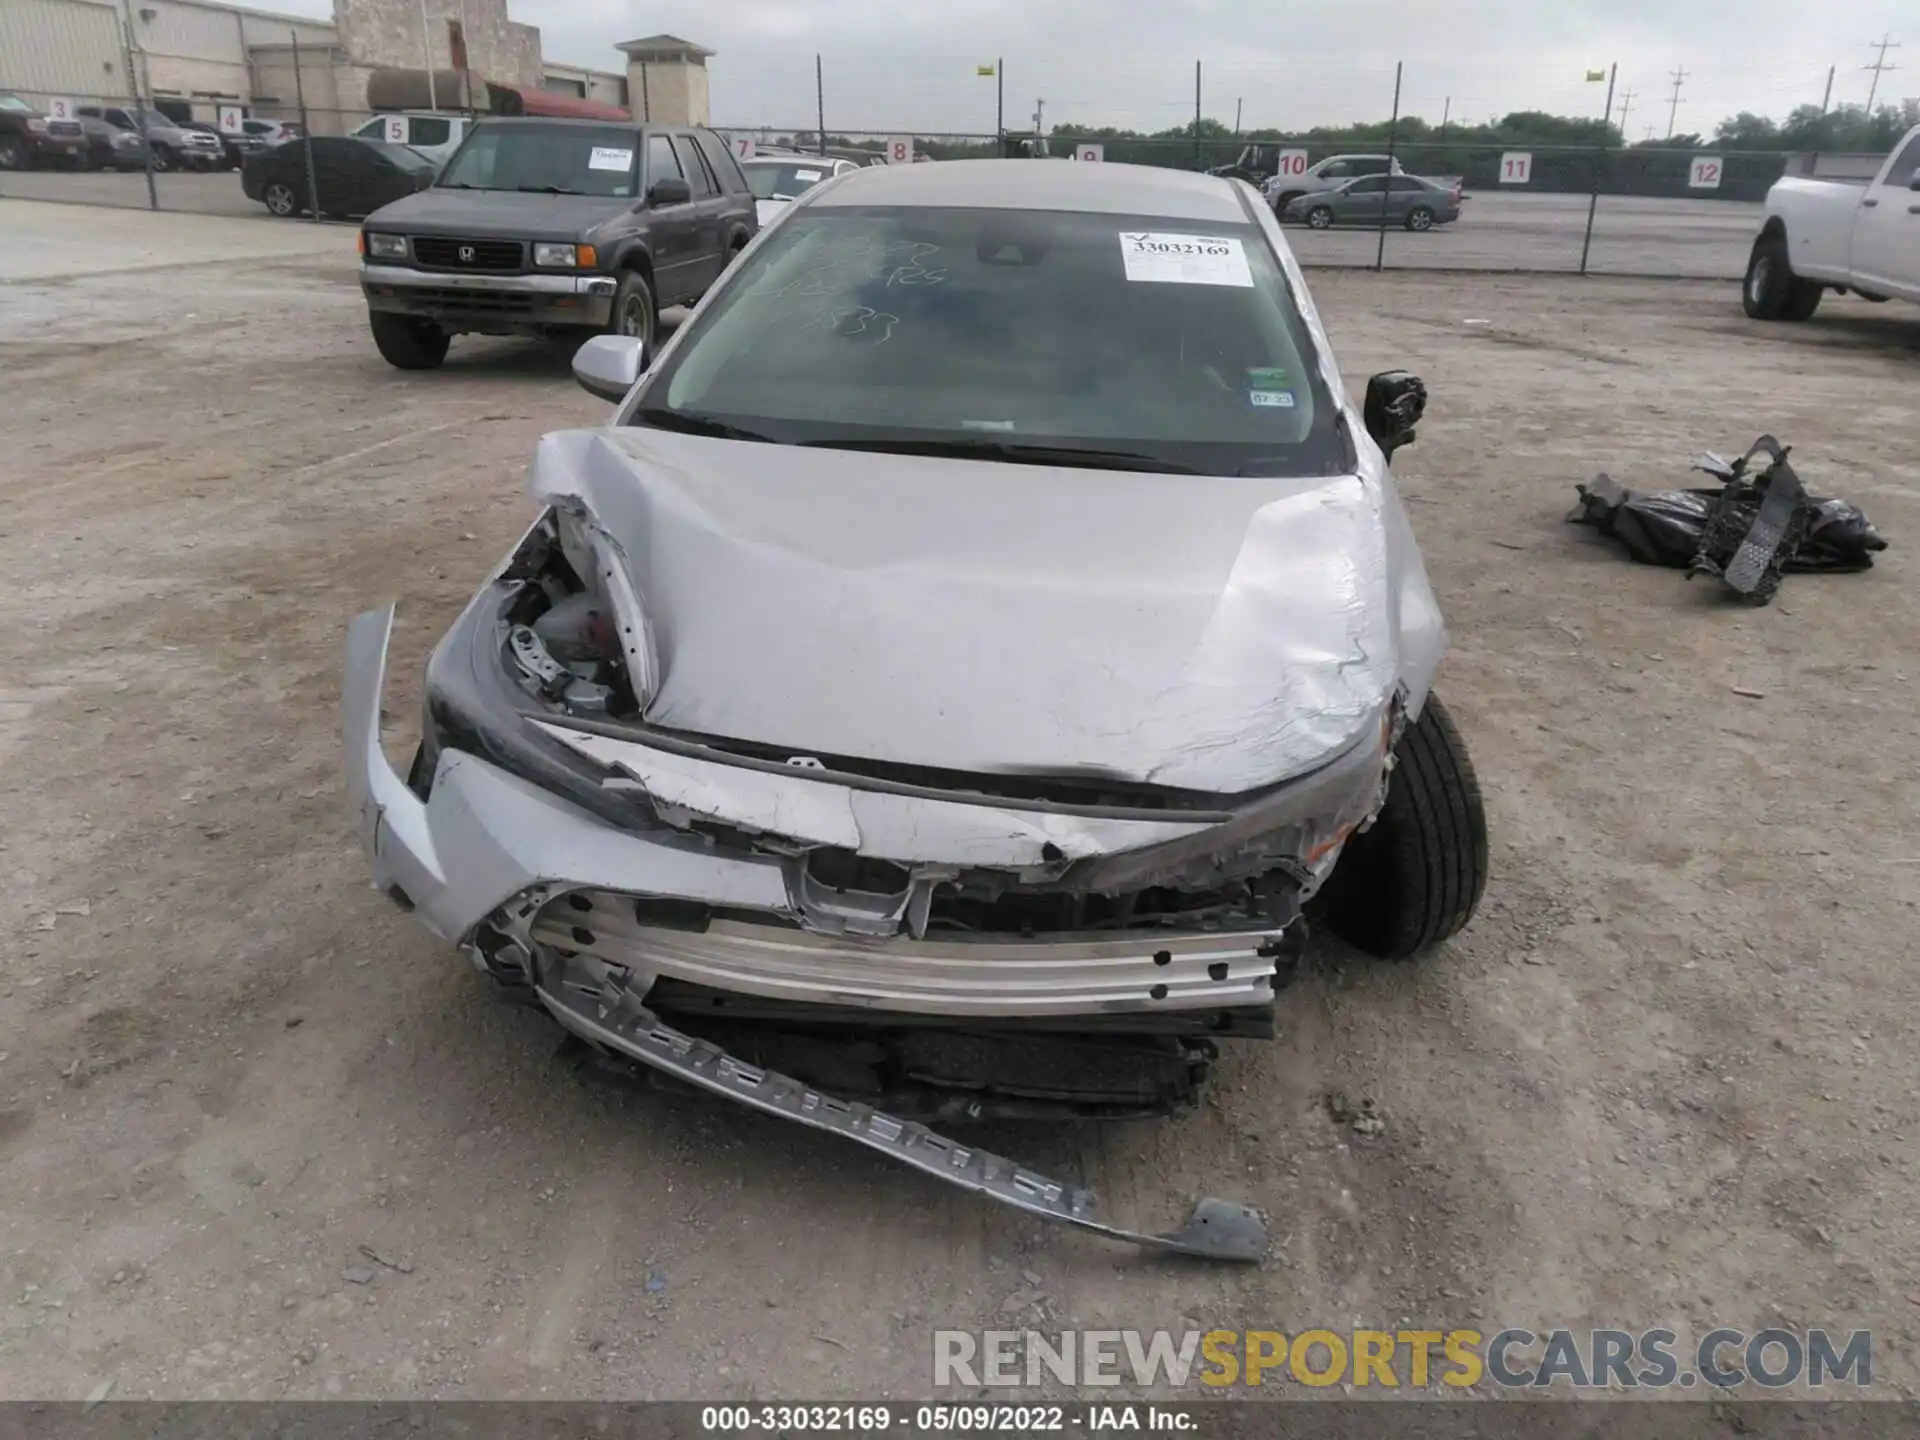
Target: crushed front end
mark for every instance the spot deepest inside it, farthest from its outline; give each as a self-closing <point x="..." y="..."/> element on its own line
<point x="861" y="946"/>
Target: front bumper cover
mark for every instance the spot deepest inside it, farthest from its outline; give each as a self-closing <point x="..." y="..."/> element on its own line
<point x="490" y="303"/>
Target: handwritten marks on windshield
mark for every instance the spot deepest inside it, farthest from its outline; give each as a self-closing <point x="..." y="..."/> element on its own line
<point x="861" y="322"/>
<point x="852" y="270"/>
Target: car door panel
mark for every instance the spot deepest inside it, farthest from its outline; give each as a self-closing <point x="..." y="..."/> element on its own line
<point x="1886" y="229"/>
<point x="673" y="229"/>
<point x="709" y="204"/>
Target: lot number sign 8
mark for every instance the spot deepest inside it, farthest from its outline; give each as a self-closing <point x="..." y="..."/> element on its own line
<point x="1705" y="173"/>
<point x="1516" y="168"/>
<point x="900" y="150"/>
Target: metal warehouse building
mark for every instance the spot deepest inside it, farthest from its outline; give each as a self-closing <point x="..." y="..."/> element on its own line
<point x="191" y="56"/>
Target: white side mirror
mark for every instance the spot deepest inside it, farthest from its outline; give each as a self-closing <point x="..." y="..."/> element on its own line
<point x="608" y="365"/>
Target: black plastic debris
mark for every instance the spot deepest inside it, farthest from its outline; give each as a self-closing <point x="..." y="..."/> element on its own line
<point x="1759" y="525"/>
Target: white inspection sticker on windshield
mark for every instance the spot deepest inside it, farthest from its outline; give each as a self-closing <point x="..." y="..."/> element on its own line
<point x="806" y="174"/>
<point x="1156" y="257"/>
<point x="608" y="157"/>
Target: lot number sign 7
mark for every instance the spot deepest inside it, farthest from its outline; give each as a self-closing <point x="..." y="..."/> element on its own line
<point x="1704" y="173"/>
<point x="1516" y="167"/>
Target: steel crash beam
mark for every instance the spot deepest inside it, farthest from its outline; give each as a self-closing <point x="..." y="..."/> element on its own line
<point x="606" y="1012"/>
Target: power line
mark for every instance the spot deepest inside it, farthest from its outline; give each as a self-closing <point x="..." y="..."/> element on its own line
<point x="1883" y="44"/>
<point x="1678" y="77"/>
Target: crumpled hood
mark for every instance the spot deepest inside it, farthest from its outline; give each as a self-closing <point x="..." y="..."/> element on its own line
<point x="1211" y="634"/>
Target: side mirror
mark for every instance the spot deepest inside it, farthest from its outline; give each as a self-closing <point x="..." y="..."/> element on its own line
<point x="670" y="191"/>
<point x="1915" y="183"/>
<point x="608" y="365"/>
<point x="1395" y="402"/>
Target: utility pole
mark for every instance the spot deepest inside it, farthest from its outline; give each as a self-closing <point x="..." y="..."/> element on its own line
<point x="1236" y="118"/>
<point x="1039" y="109"/>
<point x="1196" y="114"/>
<point x="426" y="51"/>
<point x="1446" y="114"/>
<point x="1827" y="99"/>
<point x="1626" y="104"/>
<point x="139" y="100"/>
<point x="1679" y="78"/>
<point x="1000" y="104"/>
<point x="1883" y="44"/>
<point x="1593" y="198"/>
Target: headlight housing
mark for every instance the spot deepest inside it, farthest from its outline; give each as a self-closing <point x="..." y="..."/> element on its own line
<point x="386" y="247"/>
<point x="562" y="257"/>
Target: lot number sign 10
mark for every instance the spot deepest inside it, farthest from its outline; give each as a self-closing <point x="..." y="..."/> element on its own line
<point x="1516" y="168"/>
<point x="1704" y="173"/>
<point x="1290" y="164"/>
<point x="900" y="150"/>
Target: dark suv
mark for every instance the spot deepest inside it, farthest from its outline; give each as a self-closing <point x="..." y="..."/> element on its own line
<point x="542" y="227"/>
<point x="28" y="136"/>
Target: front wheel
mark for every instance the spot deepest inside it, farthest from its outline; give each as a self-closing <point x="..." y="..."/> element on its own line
<point x="1319" y="217"/>
<point x="13" y="153"/>
<point x="1771" y="291"/>
<point x="162" y="161"/>
<point x="280" y="199"/>
<point x="1415" y="878"/>
<point x="1420" y="218"/>
<point x="406" y="343"/>
<point x="635" y="312"/>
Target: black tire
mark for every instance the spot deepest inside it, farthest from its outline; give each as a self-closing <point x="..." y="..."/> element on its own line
<point x="1320" y="217"/>
<point x="406" y="343"/>
<point x="1284" y="199"/>
<point x="1414" y="879"/>
<point x="1420" y="218"/>
<point x="635" y="311"/>
<point x="279" y="198"/>
<point x="1771" y="291"/>
<point x="13" y="153"/>
<point x="162" y="159"/>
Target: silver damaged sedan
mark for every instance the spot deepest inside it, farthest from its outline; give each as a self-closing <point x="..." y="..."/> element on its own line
<point x="982" y="640"/>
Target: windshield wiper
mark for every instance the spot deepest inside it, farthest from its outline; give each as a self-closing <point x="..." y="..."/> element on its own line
<point x="547" y="190"/>
<point x="1016" y="454"/>
<point x="689" y="423"/>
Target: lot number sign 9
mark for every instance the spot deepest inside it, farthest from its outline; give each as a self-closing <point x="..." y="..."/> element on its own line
<point x="900" y="150"/>
<point x="1516" y="168"/>
<point x="1705" y="172"/>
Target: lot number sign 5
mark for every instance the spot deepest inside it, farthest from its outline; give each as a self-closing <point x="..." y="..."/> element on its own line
<point x="1516" y="168"/>
<point x="1705" y="172"/>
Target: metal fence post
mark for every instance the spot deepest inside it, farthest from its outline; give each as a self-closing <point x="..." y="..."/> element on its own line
<point x="139" y="109"/>
<point x="306" y="130"/>
<point x="1599" y="159"/>
<point x="820" y="99"/>
<point x="1386" y="181"/>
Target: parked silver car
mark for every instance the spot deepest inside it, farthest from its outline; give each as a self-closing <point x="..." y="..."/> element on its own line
<point x="1408" y="200"/>
<point x="976" y="642"/>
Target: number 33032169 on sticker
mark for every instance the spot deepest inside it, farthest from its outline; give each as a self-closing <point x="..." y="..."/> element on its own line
<point x="1155" y="257"/>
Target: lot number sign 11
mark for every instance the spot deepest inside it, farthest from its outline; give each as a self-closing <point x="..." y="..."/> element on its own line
<point x="1090" y="152"/>
<point x="1704" y="173"/>
<point x="1516" y="168"/>
<point x="900" y="150"/>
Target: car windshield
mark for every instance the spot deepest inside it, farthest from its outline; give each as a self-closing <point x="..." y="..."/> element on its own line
<point x="14" y="105"/>
<point x="547" y="157"/>
<point x="1130" y="342"/>
<point x="783" y="179"/>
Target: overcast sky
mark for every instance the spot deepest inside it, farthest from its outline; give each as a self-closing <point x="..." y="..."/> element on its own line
<point x="891" y="64"/>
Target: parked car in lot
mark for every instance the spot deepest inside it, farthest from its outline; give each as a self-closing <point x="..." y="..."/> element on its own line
<point x="1830" y="235"/>
<point x="175" y="146"/>
<point x="111" y="148"/>
<point x="257" y="135"/>
<point x="537" y="226"/>
<point x="776" y="180"/>
<point x="1326" y="175"/>
<point x="230" y="152"/>
<point x="353" y="176"/>
<point x="1407" y="200"/>
<point x="977" y="639"/>
<point x="28" y="136"/>
<point x="434" y="135"/>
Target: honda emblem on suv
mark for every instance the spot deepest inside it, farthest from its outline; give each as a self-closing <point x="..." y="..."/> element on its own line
<point x="466" y="254"/>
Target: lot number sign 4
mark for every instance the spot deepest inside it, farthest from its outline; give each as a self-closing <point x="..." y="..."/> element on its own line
<point x="1516" y="168"/>
<point x="1704" y="173"/>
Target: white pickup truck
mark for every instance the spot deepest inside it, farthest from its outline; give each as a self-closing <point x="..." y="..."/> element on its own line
<point x="1828" y="235"/>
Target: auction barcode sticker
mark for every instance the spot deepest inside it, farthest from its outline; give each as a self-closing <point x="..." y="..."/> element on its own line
<point x="610" y="157"/>
<point x="1159" y="258"/>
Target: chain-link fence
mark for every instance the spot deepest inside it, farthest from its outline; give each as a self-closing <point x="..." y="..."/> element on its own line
<point x="1458" y="205"/>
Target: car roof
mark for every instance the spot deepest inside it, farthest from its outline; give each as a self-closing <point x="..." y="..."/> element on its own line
<point x="623" y="127"/>
<point x="1041" y="185"/>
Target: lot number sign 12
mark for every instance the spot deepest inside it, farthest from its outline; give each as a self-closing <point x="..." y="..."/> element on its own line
<point x="1516" y="168"/>
<point x="1705" y="172"/>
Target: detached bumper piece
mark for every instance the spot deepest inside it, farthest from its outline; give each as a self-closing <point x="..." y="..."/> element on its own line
<point x="594" y="1002"/>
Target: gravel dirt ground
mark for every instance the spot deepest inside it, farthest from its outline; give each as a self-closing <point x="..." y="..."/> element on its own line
<point x="1668" y="1076"/>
